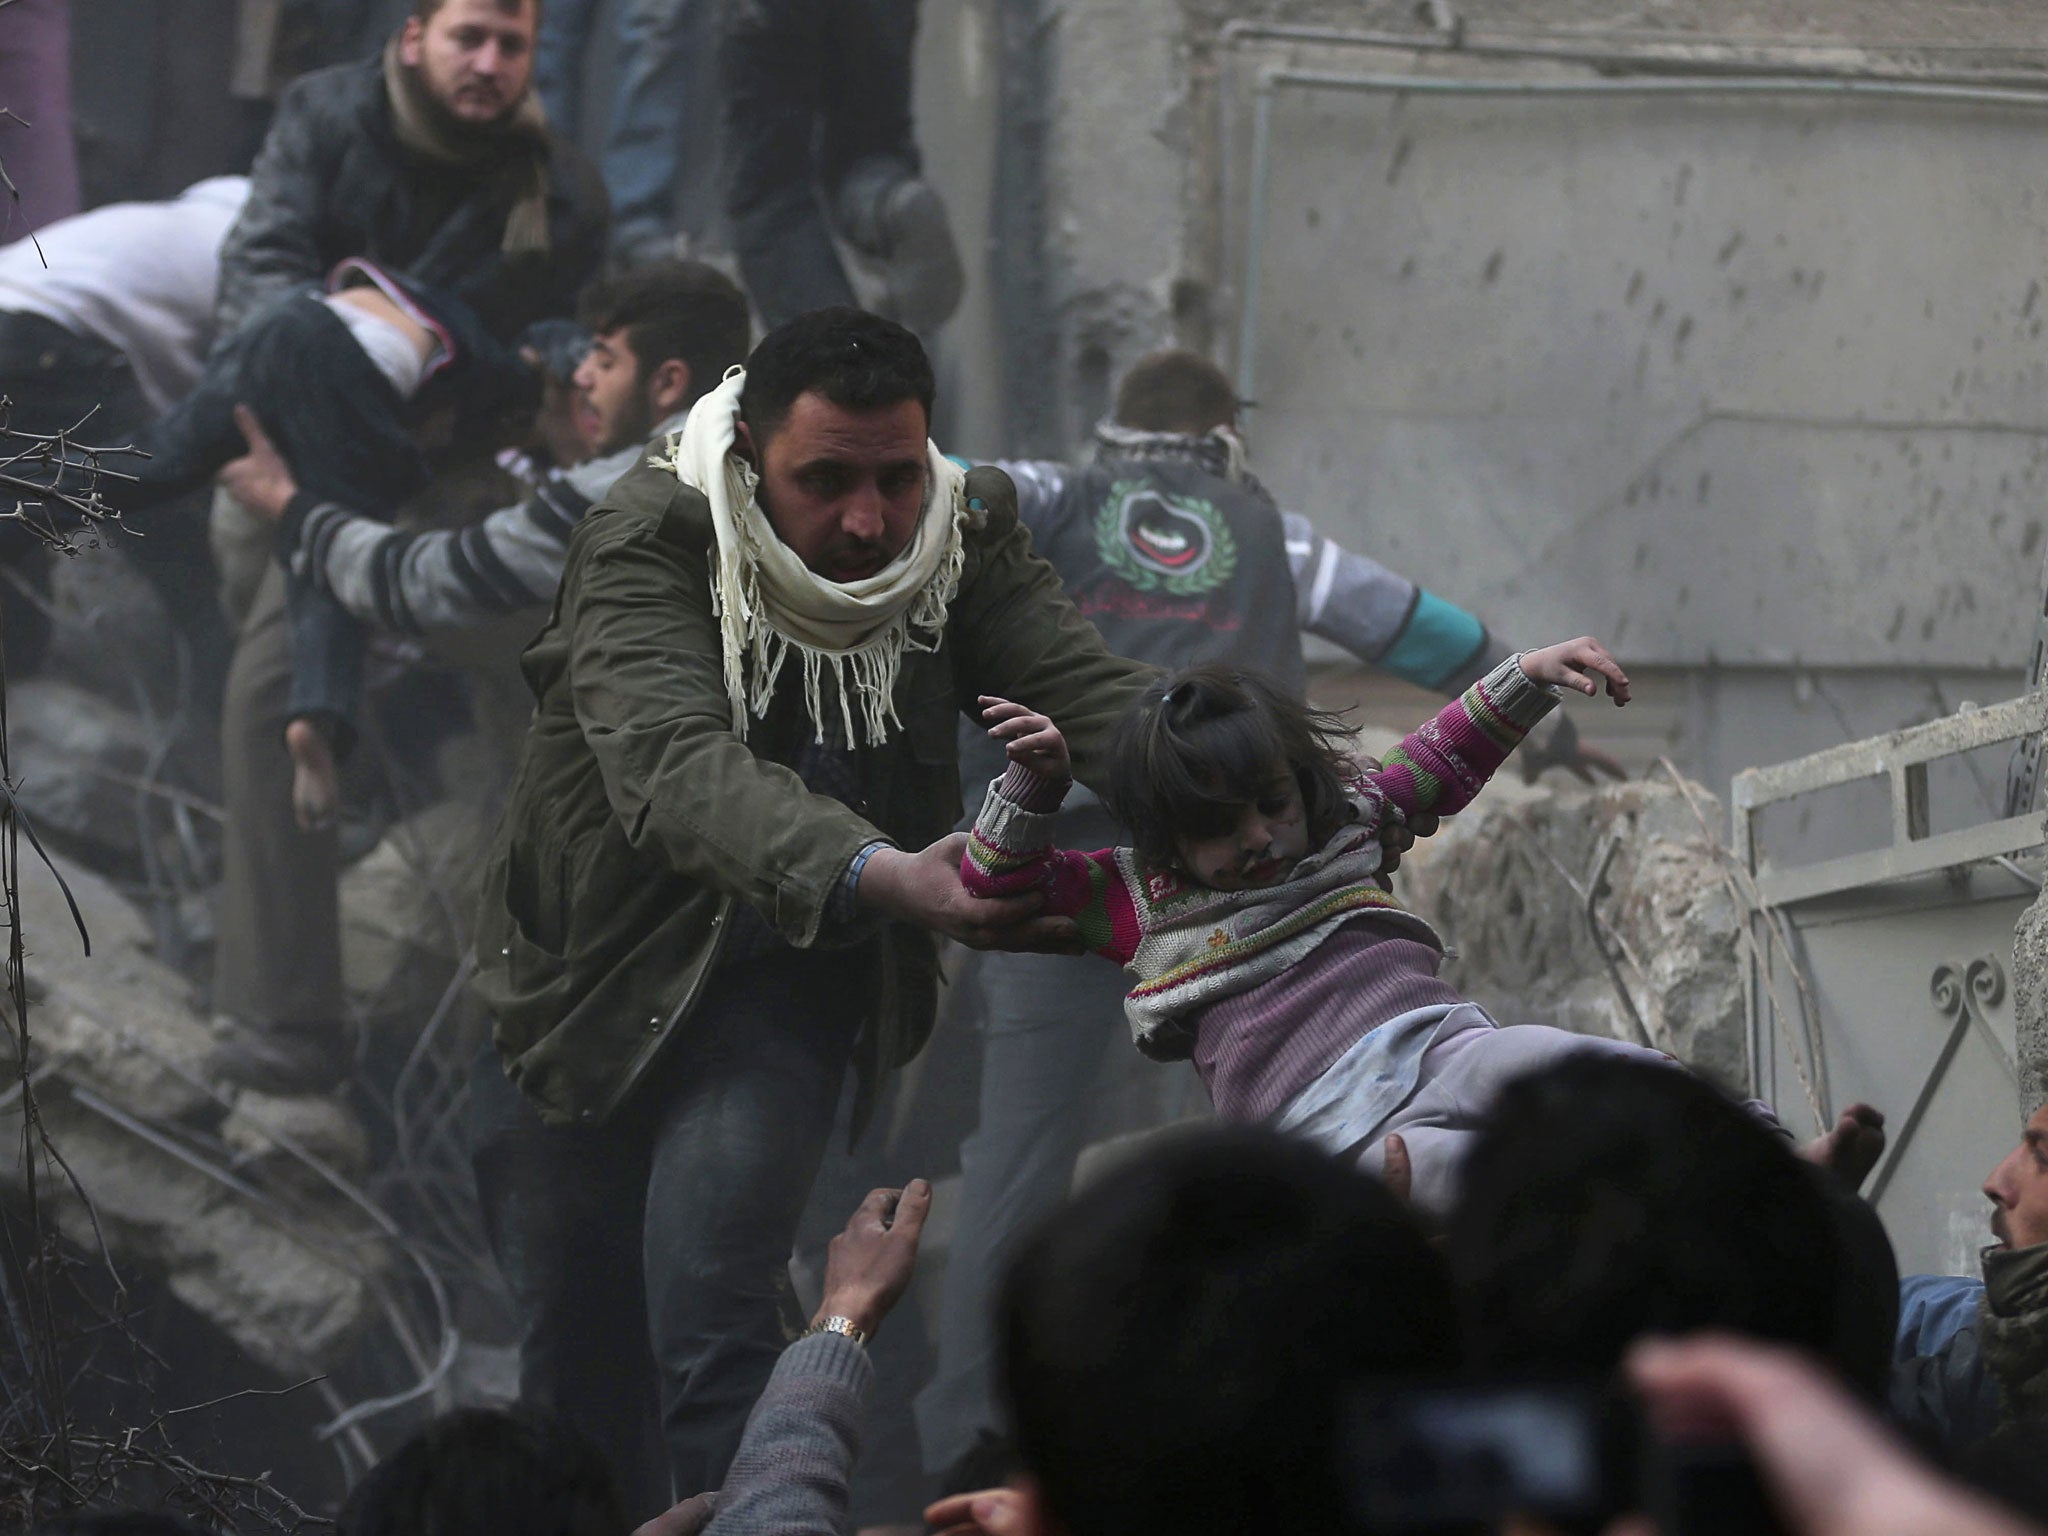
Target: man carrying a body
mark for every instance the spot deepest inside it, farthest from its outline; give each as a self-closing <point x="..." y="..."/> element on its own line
<point x="424" y="194"/>
<point x="662" y="335"/>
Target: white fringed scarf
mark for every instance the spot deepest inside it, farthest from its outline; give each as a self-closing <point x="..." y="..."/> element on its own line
<point x="769" y="603"/>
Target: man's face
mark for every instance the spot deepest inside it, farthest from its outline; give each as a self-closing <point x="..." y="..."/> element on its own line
<point x="612" y="407"/>
<point x="844" y="489"/>
<point x="2018" y="1189"/>
<point x="474" y="56"/>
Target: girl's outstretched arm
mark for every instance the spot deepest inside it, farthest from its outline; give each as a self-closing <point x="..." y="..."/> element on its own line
<point x="1442" y="766"/>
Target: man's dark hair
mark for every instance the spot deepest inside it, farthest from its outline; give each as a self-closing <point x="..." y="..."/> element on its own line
<point x="424" y="9"/>
<point x="679" y="309"/>
<point x="858" y="361"/>
<point x="1175" y="391"/>
<point x="1177" y="1344"/>
<point x="1608" y="1199"/>
<point x="131" y="1522"/>
<point x="1197" y="747"/>
<point x="482" y="1472"/>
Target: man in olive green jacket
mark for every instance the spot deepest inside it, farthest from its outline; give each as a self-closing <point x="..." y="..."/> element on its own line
<point x="726" y="858"/>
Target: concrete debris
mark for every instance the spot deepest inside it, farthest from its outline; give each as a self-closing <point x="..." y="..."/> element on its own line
<point x="265" y="1128"/>
<point x="73" y="749"/>
<point x="2030" y="1004"/>
<point x="110" y="632"/>
<point x="1509" y="884"/>
<point x="285" y="1268"/>
<point x="406" y="908"/>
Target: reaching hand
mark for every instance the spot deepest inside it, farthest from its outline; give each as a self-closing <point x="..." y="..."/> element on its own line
<point x="924" y="888"/>
<point x="1029" y="740"/>
<point x="260" y="480"/>
<point x="1397" y="1170"/>
<point x="1398" y="834"/>
<point x="869" y="1265"/>
<point x="1577" y="664"/>
<point x="986" y="1512"/>
<point x="1829" y="1467"/>
<point x="685" y="1519"/>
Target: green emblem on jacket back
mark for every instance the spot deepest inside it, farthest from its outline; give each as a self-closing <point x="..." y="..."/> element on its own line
<point x="1158" y="541"/>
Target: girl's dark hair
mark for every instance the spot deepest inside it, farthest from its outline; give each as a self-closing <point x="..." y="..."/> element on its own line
<point x="1200" y="744"/>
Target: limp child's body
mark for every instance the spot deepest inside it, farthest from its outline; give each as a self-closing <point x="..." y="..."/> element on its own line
<point x="1253" y="909"/>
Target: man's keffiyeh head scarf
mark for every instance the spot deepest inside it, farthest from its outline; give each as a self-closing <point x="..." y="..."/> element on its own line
<point x="849" y="636"/>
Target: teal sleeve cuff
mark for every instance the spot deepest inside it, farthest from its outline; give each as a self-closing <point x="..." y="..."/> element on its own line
<point x="1438" y="641"/>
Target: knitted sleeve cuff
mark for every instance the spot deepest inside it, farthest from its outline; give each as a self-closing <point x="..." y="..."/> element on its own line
<point x="1512" y="695"/>
<point x="828" y="1358"/>
<point x="1030" y="790"/>
<point x="1013" y="828"/>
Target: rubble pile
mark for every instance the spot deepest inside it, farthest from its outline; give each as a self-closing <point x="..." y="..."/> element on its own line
<point x="405" y="913"/>
<point x="2030" y="1002"/>
<point x="1603" y="912"/>
<point x="219" y="1198"/>
<point x="266" y="1215"/>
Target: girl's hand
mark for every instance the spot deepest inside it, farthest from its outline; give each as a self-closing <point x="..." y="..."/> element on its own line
<point x="1577" y="664"/>
<point x="1030" y="740"/>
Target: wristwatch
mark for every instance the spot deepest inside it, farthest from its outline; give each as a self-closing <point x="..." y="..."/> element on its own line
<point x="844" y="1326"/>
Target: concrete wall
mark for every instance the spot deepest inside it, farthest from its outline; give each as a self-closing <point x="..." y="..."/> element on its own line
<point x="1753" y="387"/>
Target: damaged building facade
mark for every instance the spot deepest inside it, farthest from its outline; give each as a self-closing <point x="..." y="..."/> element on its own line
<point x="1718" y="328"/>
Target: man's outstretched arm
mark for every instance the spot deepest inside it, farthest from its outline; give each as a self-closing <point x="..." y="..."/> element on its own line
<point x="413" y="582"/>
<point x="1386" y="620"/>
<point x="1382" y="617"/>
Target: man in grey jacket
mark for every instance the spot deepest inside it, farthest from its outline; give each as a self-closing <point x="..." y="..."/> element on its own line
<point x="661" y="336"/>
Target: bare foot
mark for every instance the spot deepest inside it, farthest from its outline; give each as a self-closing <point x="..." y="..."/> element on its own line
<point x="316" y="785"/>
<point x="1397" y="1173"/>
<point x="1853" y="1147"/>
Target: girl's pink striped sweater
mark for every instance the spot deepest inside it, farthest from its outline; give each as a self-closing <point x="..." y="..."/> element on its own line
<point x="1191" y="946"/>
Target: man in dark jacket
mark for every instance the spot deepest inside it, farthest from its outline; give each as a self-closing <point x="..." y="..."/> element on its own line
<point x="424" y="189"/>
<point x="428" y="177"/>
<point x="433" y="162"/>
<point x="725" y="858"/>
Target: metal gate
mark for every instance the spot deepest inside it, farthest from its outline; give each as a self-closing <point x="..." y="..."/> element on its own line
<point x="1883" y="974"/>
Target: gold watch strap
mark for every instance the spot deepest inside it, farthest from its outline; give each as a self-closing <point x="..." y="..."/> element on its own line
<point x="844" y="1326"/>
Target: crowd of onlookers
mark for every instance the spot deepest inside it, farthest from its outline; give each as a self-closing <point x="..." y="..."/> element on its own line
<point x="1645" y="1315"/>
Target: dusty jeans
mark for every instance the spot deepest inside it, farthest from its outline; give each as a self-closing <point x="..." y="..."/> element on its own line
<point x="643" y="142"/>
<point x="648" y="1257"/>
<point x="817" y="112"/>
<point x="278" y="962"/>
